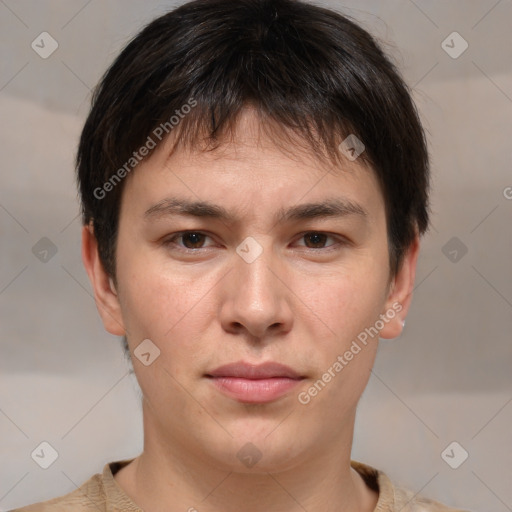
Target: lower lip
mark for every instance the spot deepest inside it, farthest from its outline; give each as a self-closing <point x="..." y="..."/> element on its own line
<point x="254" y="390"/>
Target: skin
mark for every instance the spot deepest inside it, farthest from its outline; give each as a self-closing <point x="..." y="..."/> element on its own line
<point x="301" y="303"/>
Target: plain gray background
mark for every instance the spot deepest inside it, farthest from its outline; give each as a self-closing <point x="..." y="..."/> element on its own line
<point x="64" y="380"/>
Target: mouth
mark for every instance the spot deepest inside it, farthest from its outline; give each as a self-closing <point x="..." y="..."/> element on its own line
<point x="249" y="383"/>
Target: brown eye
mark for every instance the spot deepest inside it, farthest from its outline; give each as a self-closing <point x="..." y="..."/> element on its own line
<point x="187" y="240"/>
<point x="316" y="240"/>
<point x="193" y="240"/>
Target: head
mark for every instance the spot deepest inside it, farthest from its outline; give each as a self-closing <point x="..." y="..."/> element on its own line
<point x="275" y="128"/>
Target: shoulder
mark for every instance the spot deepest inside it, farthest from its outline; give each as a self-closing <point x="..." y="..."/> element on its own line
<point x="88" y="497"/>
<point x="393" y="498"/>
<point x="408" y="501"/>
<point x="100" y="493"/>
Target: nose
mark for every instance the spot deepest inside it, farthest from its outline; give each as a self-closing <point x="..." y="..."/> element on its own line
<point x="257" y="298"/>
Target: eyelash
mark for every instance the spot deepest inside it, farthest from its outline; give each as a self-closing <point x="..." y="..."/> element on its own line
<point x="339" y="241"/>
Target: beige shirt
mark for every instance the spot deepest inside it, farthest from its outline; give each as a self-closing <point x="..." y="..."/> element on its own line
<point x="101" y="493"/>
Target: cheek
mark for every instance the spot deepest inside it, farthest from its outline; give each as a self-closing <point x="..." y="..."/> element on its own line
<point x="173" y="312"/>
<point x="160" y="303"/>
<point x="344" y="358"/>
<point x="345" y="305"/>
<point x="346" y="301"/>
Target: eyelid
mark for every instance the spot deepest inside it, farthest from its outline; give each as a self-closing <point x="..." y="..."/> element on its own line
<point x="339" y="240"/>
<point x="179" y="234"/>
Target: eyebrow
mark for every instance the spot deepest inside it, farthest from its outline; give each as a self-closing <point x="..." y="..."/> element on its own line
<point x="332" y="207"/>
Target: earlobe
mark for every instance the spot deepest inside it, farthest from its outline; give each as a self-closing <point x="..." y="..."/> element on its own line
<point x="105" y="294"/>
<point x="401" y="293"/>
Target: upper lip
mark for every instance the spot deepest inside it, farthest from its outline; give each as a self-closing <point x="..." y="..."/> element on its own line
<point x="244" y="370"/>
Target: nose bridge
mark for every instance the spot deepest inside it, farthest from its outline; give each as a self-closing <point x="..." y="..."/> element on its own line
<point x="257" y="300"/>
<point x="253" y="268"/>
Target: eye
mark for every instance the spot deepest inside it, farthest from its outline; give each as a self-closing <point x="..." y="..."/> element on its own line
<point x="191" y="240"/>
<point x="194" y="240"/>
<point x="317" y="240"/>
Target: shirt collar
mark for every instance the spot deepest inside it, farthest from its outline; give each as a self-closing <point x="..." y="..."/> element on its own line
<point x="118" y="501"/>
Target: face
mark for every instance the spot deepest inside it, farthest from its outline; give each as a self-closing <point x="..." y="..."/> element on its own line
<point x="269" y="280"/>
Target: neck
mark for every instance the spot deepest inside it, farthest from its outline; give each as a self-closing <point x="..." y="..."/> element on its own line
<point x="172" y="476"/>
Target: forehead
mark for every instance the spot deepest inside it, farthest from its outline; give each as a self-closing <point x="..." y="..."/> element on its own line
<point x="255" y="165"/>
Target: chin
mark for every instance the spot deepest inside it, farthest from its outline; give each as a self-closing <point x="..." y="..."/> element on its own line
<point x="258" y="451"/>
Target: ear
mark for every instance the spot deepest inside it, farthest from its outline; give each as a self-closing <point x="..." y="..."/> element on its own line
<point x="105" y="293"/>
<point x="400" y="293"/>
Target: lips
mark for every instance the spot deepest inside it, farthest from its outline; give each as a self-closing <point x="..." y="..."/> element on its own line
<point x="249" y="371"/>
<point x="250" y="383"/>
